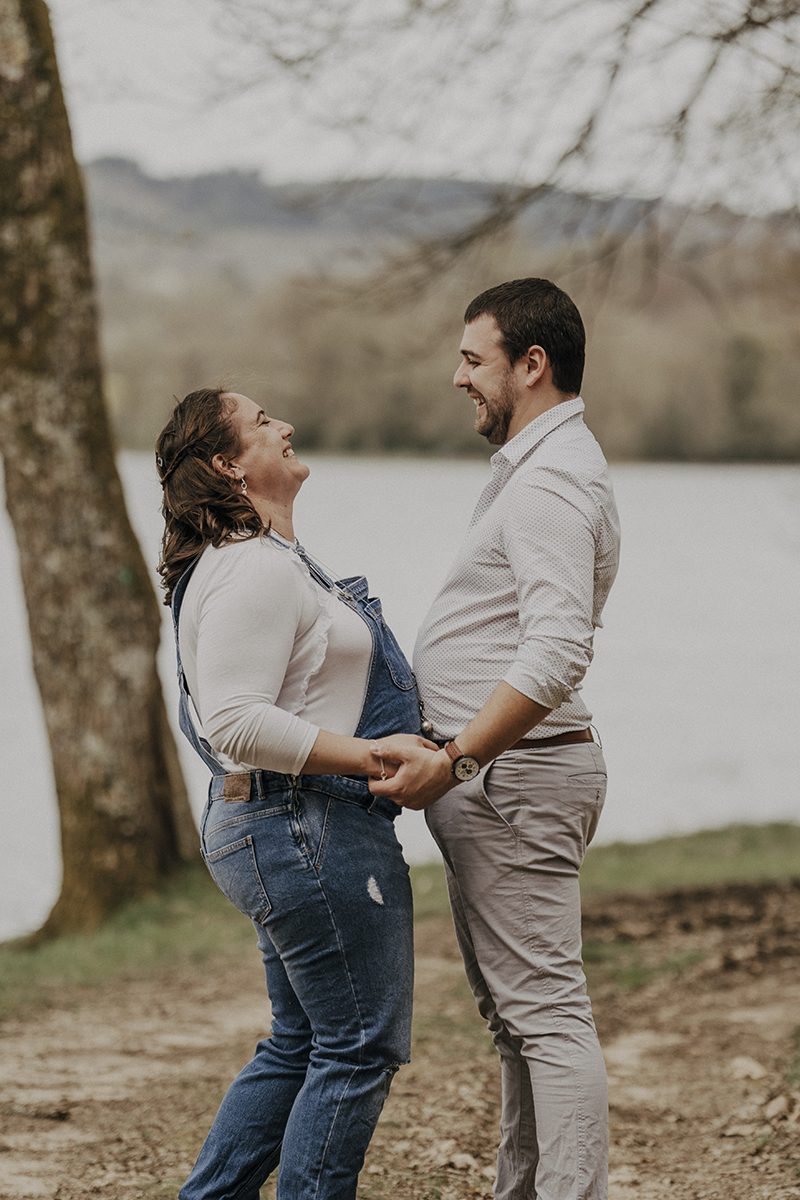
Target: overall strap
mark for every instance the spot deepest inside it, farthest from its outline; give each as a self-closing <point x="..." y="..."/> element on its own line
<point x="315" y="571"/>
<point x="185" y="721"/>
<point x="391" y="701"/>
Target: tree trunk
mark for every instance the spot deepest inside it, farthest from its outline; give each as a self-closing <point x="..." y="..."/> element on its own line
<point x="93" y="614"/>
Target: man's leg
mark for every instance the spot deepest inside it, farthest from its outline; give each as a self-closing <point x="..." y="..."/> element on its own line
<point x="518" y="1154"/>
<point x="514" y="839"/>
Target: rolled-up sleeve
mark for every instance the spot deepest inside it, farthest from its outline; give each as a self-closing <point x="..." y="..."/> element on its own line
<point x="550" y="543"/>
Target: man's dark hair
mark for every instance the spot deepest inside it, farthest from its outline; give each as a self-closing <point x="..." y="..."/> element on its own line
<point x="534" y="312"/>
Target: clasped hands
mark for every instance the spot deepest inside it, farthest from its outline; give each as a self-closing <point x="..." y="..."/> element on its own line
<point x="417" y="771"/>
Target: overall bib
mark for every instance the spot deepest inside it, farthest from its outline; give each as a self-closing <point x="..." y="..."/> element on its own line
<point x="313" y="860"/>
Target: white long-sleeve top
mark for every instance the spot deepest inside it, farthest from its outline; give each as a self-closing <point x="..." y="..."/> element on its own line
<point x="270" y="657"/>
<point x="525" y="593"/>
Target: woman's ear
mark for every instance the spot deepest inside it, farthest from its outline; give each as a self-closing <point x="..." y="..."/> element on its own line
<point x="225" y="468"/>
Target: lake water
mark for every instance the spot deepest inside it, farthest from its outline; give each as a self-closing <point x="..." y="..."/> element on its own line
<point x="695" y="687"/>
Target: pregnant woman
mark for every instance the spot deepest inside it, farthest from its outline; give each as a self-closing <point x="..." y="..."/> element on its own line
<point x="287" y="677"/>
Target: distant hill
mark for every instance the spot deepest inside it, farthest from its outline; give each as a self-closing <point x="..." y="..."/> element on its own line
<point x="125" y="200"/>
<point x="121" y="195"/>
<point x="692" y="352"/>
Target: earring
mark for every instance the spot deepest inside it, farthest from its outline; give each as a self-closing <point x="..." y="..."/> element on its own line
<point x="244" y="486"/>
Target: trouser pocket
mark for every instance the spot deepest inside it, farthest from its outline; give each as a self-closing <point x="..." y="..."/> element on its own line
<point x="235" y="871"/>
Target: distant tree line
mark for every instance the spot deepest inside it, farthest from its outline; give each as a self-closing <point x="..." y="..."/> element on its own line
<point x="692" y="356"/>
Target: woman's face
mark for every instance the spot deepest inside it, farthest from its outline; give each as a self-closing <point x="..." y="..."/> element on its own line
<point x="265" y="458"/>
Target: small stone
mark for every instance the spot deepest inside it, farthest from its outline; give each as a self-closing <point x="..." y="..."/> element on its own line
<point x="739" y="1131"/>
<point x="623" y="1175"/>
<point x="777" y="1108"/>
<point x="445" y="1149"/>
<point x="749" y="1112"/>
<point x="747" y="1068"/>
<point x="635" y="931"/>
<point x="743" y="953"/>
<point x="464" y="1162"/>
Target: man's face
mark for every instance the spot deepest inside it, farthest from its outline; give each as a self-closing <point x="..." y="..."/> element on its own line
<point x="489" y="379"/>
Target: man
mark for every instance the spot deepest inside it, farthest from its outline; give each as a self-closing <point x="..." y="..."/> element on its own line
<point x="514" y="795"/>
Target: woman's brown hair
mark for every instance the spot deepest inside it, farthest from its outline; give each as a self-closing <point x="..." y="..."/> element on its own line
<point x="201" y="507"/>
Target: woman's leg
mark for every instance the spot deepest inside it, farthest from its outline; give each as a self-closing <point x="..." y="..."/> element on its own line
<point x="331" y="888"/>
<point x="354" y="980"/>
<point x="244" y="1143"/>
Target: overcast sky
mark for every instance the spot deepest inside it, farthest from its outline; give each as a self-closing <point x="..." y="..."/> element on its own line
<point x="155" y="80"/>
<point x="133" y="76"/>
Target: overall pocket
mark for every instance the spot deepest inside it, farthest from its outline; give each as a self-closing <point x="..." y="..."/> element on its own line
<point x="235" y="872"/>
<point x="399" y="668"/>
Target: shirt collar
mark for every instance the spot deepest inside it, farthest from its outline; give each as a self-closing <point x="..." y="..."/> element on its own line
<point x="535" y="431"/>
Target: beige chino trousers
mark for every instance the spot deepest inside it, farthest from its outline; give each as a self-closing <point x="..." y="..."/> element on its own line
<point x="513" y="840"/>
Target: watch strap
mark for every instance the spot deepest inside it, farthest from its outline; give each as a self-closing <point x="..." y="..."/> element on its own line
<point x="453" y="751"/>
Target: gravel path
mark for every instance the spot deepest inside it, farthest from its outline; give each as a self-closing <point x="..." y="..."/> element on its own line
<point x="110" y="1093"/>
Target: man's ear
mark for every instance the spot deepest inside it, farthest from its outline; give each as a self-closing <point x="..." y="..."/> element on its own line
<point x="536" y="363"/>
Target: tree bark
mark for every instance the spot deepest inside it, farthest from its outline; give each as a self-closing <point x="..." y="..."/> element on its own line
<point x="93" y="615"/>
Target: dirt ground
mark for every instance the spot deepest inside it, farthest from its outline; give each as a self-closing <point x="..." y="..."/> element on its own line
<point x="110" y="1092"/>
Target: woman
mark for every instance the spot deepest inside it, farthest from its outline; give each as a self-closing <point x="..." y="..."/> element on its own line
<point x="291" y="677"/>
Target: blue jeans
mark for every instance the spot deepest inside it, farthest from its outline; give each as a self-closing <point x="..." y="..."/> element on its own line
<point x="314" y="862"/>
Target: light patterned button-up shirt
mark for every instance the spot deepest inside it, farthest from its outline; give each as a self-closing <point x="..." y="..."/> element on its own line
<point x="525" y="593"/>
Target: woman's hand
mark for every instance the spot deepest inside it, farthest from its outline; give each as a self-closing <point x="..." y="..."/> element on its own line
<point x="390" y="751"/>
<point x="394" y="750"/>
<point x="336" y="754"/>
<point x="397" y="745"/>
<point x="421" y="771"/>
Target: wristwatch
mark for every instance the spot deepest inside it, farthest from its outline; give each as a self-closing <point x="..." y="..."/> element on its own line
<point x="463" y="766"/>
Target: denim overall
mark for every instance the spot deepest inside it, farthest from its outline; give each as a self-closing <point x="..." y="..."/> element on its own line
<point x="313" y="860"/>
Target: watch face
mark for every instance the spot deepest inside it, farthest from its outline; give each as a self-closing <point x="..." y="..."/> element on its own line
<point x="465" y="768"/>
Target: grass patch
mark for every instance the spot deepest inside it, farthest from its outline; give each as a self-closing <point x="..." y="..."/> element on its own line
<point x="737" y="854"/>
<point x="627" y="966"/>
<point x="430" y="891"/>
<point x="191" y="922"/>
<point x="451" y="1025"/>
<point x="188" y="923"/>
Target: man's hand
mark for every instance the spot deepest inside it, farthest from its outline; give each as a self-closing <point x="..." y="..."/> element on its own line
<point x="423" y="771"/>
